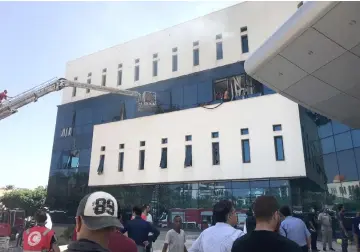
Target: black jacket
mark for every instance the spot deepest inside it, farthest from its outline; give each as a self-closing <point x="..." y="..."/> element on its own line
<point x="84" y="245"/>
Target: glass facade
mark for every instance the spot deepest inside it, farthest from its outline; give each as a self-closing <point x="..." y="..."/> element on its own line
<point x="332" y="157"/>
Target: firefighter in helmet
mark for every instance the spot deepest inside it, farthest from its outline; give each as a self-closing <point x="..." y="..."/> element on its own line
<point x="39" y="238"/>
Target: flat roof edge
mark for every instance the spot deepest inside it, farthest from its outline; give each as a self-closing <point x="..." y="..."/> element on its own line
<point x="302" y="19"/>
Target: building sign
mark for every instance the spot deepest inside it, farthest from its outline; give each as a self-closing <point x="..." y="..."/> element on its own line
<point x="65" y="132"/>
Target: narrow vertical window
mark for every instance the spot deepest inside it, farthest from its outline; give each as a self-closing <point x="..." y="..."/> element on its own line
<point x="119" y="77"/>
<point x="215" y="153"/>
<point x="142" y="160"/>
<point x="174" y="63"/>
<point x="155" y="68"/>
<point x="137" y="72"/>
<point x="100" y="169"/>
<point x="244" y="44"/>
<point x="188" y="156"/>
<point x="279" y="148"/>
<point x="163" y="161"/>
<point x="121" y="161"/>
<point x="88" y="82"/>
<point x="245" y="146"/>
<point x="196" y="60"/>
<point x="74" y="88"/>
<point x="219" y="51"/>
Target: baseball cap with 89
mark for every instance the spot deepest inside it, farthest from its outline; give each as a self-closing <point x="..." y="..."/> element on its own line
<point x="99" y="210"/>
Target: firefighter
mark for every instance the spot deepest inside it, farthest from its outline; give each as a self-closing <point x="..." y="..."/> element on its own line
<point x="39" y="238"/>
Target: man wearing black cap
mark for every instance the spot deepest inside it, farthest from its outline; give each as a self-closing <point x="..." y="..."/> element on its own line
<point x="96" y="219"/>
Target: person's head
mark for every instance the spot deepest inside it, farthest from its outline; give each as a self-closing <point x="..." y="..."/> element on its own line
<point x="285" y="211"/>
<point x="224" y="211"/>
<point x="177" y="222"/>
<point x="266" y="211"/>
<point x="40" y="217"/>
<point x="148" y="208"/>
<point x="137" y="211"/>
<point x="46" y="209"/>
<point x="5" y="91"/>
<point x="341" y="208"/>
<point x="96" y="217"/>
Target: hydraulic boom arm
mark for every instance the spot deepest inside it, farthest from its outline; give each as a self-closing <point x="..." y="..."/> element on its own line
<point x="10" y="107"/>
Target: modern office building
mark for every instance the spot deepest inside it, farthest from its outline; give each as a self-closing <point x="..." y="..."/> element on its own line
<point x="216" y="133"/>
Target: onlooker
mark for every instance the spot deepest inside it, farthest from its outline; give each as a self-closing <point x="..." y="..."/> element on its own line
<point x="175" y="238"/>
<point x="344" y="234"/>
<point x="250" y="222"/>
<point x="148" y="219"/>
<point x="312" y="226"/>
<point x="265" y="237"/>
<point x="139" y="229"/>
<point x="119" y="242"/>
<point x="356" y="230"/>
<point x="96" y="219"/>
<point x="326" y="229"/>
<point x="219" y="238"/>
<point x="295" y="229"/>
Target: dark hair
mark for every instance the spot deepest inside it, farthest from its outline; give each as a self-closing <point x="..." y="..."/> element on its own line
<point x="177" y="216"/>
<point x="146" y="205"/>
<point x="340" y="206"/>
<point x="137" y="210"/>
<point x="265" y="207"/>
<point x="221" y="210"/>
<point x="285" y="210"/>
<point x="40" y="216"/>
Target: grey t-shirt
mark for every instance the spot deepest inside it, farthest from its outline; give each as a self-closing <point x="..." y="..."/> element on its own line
<point x="175" y="240"/>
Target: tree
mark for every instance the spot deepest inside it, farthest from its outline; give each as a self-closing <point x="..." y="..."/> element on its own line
<point x="29" y="200"/>
<point x="9" y="187"/>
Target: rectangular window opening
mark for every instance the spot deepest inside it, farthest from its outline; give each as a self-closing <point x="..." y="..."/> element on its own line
<point x="215" y="135"/>
<point x="155" y="68"/>
<point x="119" y="78"/>
<point x="174" y="49"/>
<point x="279" y="148"/>
<point x="88" y="82"/>
<point x="219" y="51"/>
<point x="121" y="146"/>
<point x="73" y="92"/>
<point x="243" y="29"/>
<point x="103" y="80"/>
<point x="164" y="141"/>
<point x="244" y="44"/>
<point x="196" y="43"/>
<point x="188" y="138"/>
<point x="245" y="131"/>
<point x="245" y="146"/>
<point x="102" y="148"/>
<point x="163" y="161"/>
<point x="121" y="161"/>
<point x="216" y="153"/>
<point x="100" y="169"/>
<point x="277" y="127"/>
<point x="174" y="63"/>
<point x="137" y="72"/>
<point x="120" y="66"/>
<point x="89" y="74"/>
<point x="188" y="156"/>
<point x="196" y="60"/>
<point x="219" y="36"/>
<point x="142" y="143"/>
<point x="142" y="160"/>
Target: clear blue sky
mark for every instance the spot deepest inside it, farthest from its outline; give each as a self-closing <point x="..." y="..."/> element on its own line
<point x="36" y="41"/>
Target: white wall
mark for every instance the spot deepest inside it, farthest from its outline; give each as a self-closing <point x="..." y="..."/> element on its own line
<point x="261" y="19"/>
<point x="256" y="114"/>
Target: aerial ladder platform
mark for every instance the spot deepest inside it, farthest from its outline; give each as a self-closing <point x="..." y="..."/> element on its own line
<point x="11" y="106"/>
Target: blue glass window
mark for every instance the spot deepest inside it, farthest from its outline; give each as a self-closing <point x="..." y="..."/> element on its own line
<point x="245" y="131"/>
<point x="215" y="134"/>
<point x="339" y="128"/>
<point x="163" y="161"/>
<point x="103" y="80"/>
<point x="119" y="77"/>
<point x="279" y="148"/>
<point x="142" y="160"/>
<point x="219" y="51"/>
<point x="343" y="141"/>
<point x="347" y="166"/>
<point x="330" y="167"/>
<point x="244" y="44"/>
<point x="245" y="145"/>
<point x="188" y="156"/>
<point x="100" y="169"/>
<point x="174" y="63"/>
<point x="196" y="58"/>
<point x="164" y="140"/>
<point x="188" y="138"/>
<point x="216" y="153"/>
<point x="137" y="73"/>
<point x="356" y="138"/>
<point x="277" y="127"/>
<point x="325" y="130"/>
<point x="121" y="161"/>
<point x="327" y="145"/>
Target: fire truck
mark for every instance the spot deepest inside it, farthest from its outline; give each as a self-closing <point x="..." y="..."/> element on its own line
<point x="11" y="222"/>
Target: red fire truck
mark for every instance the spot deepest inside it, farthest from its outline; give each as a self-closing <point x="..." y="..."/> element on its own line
<point x="11" y="222"/>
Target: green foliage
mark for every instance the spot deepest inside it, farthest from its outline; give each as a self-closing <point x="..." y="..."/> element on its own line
<point x="29" y="200"/>
<point x="9" y="187"/>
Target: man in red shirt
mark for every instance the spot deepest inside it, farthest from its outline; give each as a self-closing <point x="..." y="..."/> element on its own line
<point x="3" y="96"/>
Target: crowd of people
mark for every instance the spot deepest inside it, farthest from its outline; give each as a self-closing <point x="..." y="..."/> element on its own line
<point x="269" y="227"/>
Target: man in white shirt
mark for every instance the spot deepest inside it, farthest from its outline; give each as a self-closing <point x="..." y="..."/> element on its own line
<point x="48" y="223"/>
<point x="148" y="219"/>
<point x="221" y="236"/>
<point x="175" y="238"/>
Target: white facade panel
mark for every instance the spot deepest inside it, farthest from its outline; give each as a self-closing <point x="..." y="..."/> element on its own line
<point x="257" y="114"/>
<point x="260" y="18"/>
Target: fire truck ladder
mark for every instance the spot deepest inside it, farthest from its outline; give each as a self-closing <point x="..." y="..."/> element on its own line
<point x="7" y="108"/>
